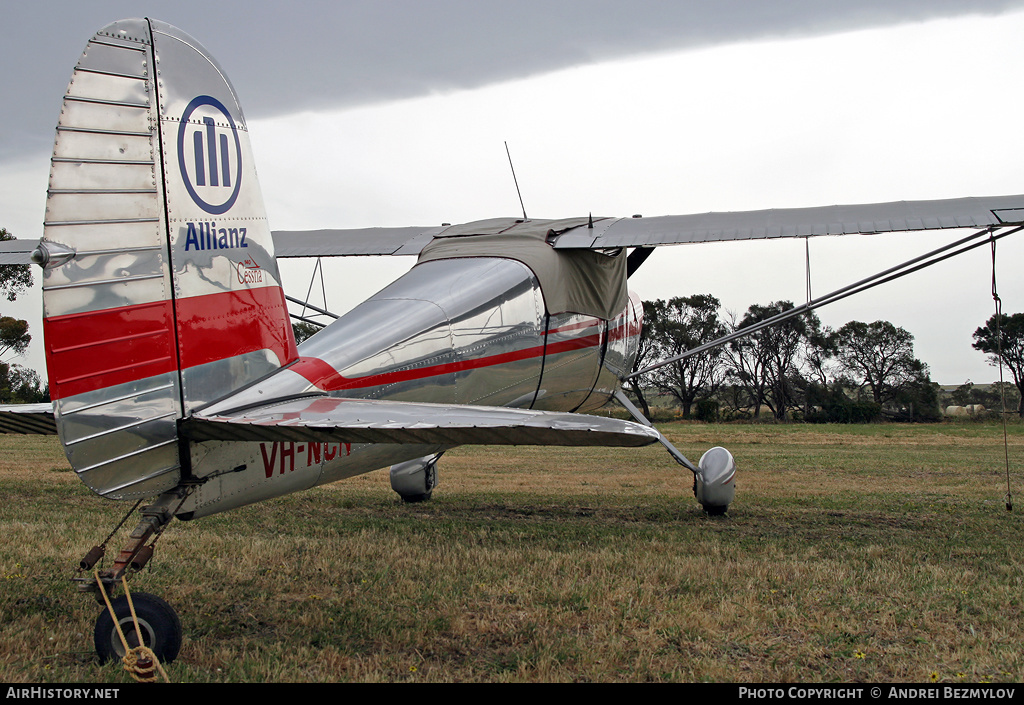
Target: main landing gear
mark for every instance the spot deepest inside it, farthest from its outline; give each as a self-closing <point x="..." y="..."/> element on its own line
<point x="154" y="624"/>
<point x="714" y="476"/>
<point x="415" y="480"/>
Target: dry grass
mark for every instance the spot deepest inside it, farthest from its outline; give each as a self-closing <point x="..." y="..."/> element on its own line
<point x="870" y="553"/>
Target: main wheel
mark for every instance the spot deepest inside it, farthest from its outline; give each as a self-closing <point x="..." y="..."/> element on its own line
<point x="415" y="498"/>
<point x="714" y="510"/>
<point x="158" y="623"/>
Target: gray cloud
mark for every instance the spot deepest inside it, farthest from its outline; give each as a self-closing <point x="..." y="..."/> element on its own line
<point x="330" y="53"/>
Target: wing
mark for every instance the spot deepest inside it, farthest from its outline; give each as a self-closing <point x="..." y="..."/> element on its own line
<point x="680" y="229"/>
<point x="374" y="421"/>
<point x="798" y="222"/>
<point x="365" y="241"/>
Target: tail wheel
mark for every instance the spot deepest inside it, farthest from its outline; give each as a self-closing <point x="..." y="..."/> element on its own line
<point x="158" y="624"/>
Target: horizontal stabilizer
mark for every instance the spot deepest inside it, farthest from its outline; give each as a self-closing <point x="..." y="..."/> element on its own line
<point x="321" y="419"/>
<point x="30" y="419"/>
<point x="17" y="251"/>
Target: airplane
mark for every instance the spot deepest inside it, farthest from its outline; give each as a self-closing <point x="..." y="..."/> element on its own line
<point x="175" y="376"/>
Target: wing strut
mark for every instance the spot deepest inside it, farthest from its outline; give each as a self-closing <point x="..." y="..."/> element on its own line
<point x="305" y="305"/>
<point x="672" y="450"/>
<point x="918" y="263"/>
<point x="637" y="257"/>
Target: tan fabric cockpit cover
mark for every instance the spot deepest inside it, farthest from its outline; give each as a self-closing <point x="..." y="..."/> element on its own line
<point x="572" y="280"/>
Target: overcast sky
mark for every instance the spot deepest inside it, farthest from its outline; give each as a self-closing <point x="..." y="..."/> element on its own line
<point x="395" y="113"/>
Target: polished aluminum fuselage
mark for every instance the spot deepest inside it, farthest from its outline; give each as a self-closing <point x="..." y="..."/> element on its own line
<point x="459" y="331"/>
<point x="163" y="299"/>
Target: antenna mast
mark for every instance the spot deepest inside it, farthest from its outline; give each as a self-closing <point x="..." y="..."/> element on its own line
<point x="515" y="180"/>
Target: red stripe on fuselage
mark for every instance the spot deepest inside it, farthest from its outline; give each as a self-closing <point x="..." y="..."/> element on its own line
<point x="574" y="326"/>
<point x="98" y="349"/>
<point x="325" y="377"/>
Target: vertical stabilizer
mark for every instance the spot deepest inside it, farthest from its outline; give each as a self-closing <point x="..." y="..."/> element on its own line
<point x="160" y="288"/>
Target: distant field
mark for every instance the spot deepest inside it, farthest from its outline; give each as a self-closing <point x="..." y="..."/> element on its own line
<point x="857" y="553"/>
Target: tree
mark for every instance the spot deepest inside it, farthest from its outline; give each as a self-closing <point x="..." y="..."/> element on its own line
<point x="1002" y="339"/>
<point x="767" y="363"/>
<point x="880" y="357"/>
<point x="677" y="326"/>
<point x="918" y="400"/>
<point x="21" y="385"/>
<point x="747" y="369"/>
<point x="964" y="394"/>
<point x="18" y="385"/>
<point x="831" y="404"/>
<point x="646" y="352"/>
<point x="14" y="335"/>
<point x="1000" y="394"/>
<point x="304" y="330"/>
<point x="819" y="352"/>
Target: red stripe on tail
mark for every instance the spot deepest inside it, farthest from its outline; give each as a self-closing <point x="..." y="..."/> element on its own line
<point x="99" y="349"/>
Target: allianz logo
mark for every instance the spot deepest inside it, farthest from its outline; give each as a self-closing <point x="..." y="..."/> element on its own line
<point x="209" y="155"/>
<point x="207" y="236"/>
<point x="215" y="159"/>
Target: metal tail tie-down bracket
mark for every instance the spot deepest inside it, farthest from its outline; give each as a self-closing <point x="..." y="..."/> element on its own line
<point x="136" y="553"/>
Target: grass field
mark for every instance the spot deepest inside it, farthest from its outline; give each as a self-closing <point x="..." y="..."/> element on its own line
<point x="859" y="553"/>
